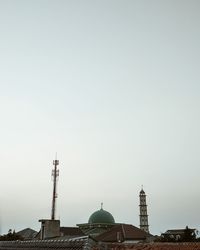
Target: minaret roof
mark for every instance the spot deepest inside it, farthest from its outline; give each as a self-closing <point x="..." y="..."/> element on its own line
<point x="142" y="191"/>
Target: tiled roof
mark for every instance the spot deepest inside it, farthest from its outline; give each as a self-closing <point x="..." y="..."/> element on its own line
<point x="27" y="233"/>
<point x="73" y="244"/>
<point x="151" y="246"/>
<point x="121" y="233"/>
<point x="71" y="231"/>
<point x="86" y="243"/>
<point x="94" y="231"/>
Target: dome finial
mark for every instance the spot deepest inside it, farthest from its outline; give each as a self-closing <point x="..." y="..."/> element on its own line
<point x="101" y="205"/>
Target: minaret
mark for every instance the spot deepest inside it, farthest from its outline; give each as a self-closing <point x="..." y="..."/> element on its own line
<point x="55" y="174"/>
<point x="143" y="212"/>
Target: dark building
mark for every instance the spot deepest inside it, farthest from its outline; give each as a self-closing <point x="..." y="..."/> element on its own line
<point x="187" y="234"/>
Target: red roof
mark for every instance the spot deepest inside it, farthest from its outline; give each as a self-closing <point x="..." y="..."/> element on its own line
<point x="122" y="232"/>
<point x="153" y="246"/>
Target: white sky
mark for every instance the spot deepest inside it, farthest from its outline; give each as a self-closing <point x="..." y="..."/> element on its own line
<point x="113" y="86"/>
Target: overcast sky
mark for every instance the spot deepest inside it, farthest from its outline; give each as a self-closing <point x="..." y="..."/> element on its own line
<point x="112" y="86"/>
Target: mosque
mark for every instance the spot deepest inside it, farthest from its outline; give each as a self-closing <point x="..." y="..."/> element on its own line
<point x="101" y="225"/>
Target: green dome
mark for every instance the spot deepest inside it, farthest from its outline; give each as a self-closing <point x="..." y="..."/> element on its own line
<point x="101" y="216"/>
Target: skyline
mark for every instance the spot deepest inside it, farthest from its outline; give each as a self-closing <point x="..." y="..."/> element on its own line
<point x="113" y="88"/>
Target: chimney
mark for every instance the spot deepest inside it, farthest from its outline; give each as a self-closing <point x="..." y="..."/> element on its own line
<point x="49" y="229"/>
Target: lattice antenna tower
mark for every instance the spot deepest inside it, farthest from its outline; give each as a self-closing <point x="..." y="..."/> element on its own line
<point x="55" y="174"/>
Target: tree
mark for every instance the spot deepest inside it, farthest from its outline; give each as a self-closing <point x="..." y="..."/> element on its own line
<point x="11" y="235"/>
<point x="189" y="234"/>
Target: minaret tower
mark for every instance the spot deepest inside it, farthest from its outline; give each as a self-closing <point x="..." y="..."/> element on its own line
<point x="143" y="212"/>
<point x="55" y="174"/>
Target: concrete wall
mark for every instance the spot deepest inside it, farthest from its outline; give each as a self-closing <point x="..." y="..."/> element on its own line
<point x="49" y="229"/>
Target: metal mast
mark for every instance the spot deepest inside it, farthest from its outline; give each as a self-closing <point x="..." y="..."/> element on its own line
<point x="55" y="174"/>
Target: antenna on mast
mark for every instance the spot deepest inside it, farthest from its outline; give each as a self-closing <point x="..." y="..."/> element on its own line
<point x="55" y="174"/>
